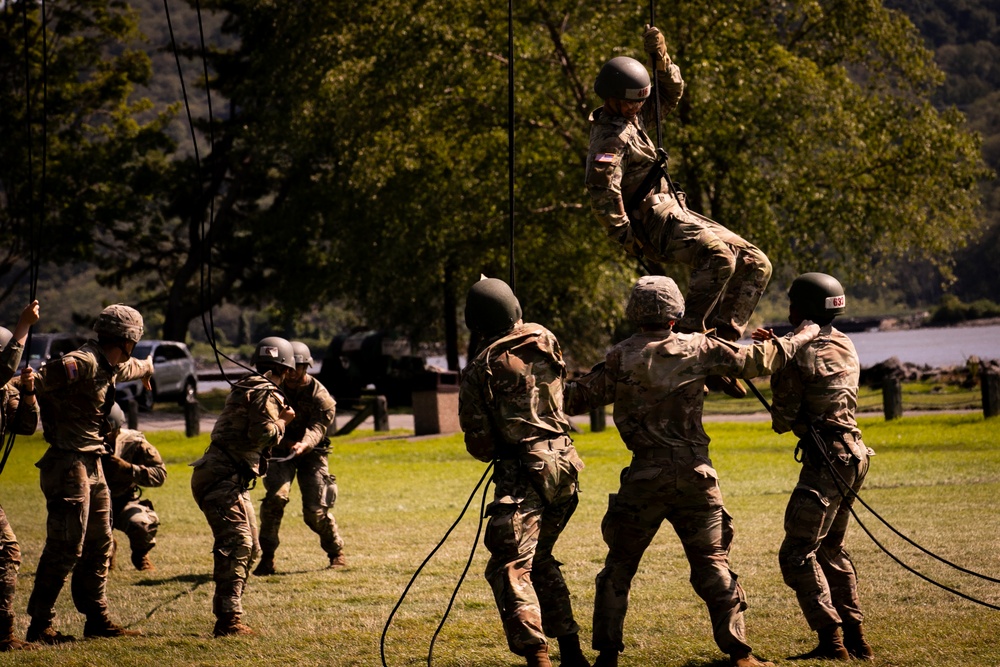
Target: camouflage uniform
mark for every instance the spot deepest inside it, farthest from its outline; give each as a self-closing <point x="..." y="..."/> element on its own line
<point x="75" y="393"/>
<point x="23" y="423"/>
<point x="655" y="380"/>
<point x="728" y="274"/>
<point x="314" y="413"/>
<point x="247" y="427"/>
<point x="135" y="517"/>
<point x="510" y="408"/>
<point x="820" y="388"/>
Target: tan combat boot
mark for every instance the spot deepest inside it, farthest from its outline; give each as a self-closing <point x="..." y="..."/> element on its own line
<point x="229" y="625"/>
<point x="99" y="625"/>
<point x="748" y="660"/>
<point x="43" y="633"/>
<point x="539" y="657"/>
<point x="8" y="642"/>
<point x="337" y="562"/>
<point x="856" y="644"/>
<point x="266" y="565"/>
<point x="570" y="653"/>
<point x="831" y="646"/>
<point x="140" y="559"/>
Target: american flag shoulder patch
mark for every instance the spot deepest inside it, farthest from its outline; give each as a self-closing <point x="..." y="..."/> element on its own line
<point x="604" y="157"/>
<point x="72" y="371"/>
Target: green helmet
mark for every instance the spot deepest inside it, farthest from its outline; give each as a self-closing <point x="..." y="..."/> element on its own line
<point x="654" y="301"/>
<point x="273" y="353"/>
<point x="120" y="321"/>
<point x="491" y="307"/>
<point x="5" y="336"/>
<point x="818" y="297"/>
<point x="623" y="78"/>
<point x="301" y="353"/>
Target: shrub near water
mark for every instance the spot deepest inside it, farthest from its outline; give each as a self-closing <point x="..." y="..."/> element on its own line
<point x="936" y="478"/>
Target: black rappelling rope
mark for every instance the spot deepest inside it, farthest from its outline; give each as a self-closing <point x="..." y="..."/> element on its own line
<point x="34" y="212"/>
<point x="205" y="265"/>
<point x="510" y="138"/>
<point x="846" y="491"/>
<point x="406" y="590"/>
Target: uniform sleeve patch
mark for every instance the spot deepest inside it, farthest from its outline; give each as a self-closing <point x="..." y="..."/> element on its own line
<point x="72" y="371"/>
<point x="604" y="157"/>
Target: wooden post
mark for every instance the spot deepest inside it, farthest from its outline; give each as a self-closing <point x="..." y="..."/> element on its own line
<point x="132" y="414"/>
<point x="892" y="397"/>
<point x="989" y="380"/>
<point x="598" y="419"/>
<point x="192" y="418"/>
<point x="381" y="413"/>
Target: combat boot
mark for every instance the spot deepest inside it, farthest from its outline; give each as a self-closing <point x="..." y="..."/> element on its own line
<point x="337" y="562"/>
<point x="608" y="658"/>
<point x="229" y="624"/>
<point x="831" y="646"/>
<point x="266" y="565"/>
<point x="140" y="559"/>
<point x="99" y="625"/>
<point x="748" y="660"/>
<point x="538" y="656"/>
<point x="570" y="654"/>
<point x="856" y="644"/>
<point x="43" y="633"/>
<point x="8" y="642"/>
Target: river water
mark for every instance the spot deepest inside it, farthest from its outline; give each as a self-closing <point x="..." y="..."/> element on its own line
<point x="945" y="346"/>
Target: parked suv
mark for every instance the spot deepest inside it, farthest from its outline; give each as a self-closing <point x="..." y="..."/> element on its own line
<point x="44" y="347"/>
<point x="175" y="376"/>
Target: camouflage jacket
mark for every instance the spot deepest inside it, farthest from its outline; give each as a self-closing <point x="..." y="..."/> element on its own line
<point x="315" y="410"/>
<point x="75" y="393"/>
<point x="656" y="381"/>
<point x="621" y="154"/>
<point x="512" y="394"/>
<point x="249" y="421"/>
<point x="147" y="465"/>
<point x="26" y="422"/>
<point x="819" y="387"/>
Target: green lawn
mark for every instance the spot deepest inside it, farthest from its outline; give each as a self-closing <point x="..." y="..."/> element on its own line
<point x="937" y="478"/>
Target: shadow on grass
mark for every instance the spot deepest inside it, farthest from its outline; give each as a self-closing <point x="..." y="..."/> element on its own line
<point x="196" y="579"/>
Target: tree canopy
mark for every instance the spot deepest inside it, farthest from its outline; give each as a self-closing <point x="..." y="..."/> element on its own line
<point x="359" y="155"/>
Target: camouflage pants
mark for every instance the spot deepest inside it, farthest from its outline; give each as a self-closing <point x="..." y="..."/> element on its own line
<point x="138" y="520"/>
<point x="812" y="556"/>
<point x="10" y="562"/>
<point x="231" y="517"/>
<point x="78" y="535"/>
<point x="728" y="274"/>
<point x="319" y="493"/>
<point x="682" y="487"/>
<point x="535" y="498"/>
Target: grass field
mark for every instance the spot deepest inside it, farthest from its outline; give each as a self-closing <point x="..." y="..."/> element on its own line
<point x="936" y="478"/>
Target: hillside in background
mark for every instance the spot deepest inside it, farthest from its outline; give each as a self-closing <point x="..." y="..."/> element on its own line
<point x="965" y="38"/>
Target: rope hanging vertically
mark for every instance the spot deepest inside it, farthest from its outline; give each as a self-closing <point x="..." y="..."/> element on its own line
<point x="510" y="140"/>
<point x="35" y="215"/>
<point x="656" y="80"/>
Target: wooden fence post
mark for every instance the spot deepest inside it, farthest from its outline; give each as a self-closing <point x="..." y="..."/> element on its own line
<point x="892" y="397"/>
<point x="989" y="380"/>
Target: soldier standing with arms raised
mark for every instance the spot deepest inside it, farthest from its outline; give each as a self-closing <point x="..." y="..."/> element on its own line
<point x="634" y="200"/>
<point x="76" y="393"/>
<point x="22" y="421"/>
<point x="253" y="420"/>
<point x="655" y="379"/>
<point x="307" y="443"/>
<point x="510" y="408"/>
<point x="817" y="393"/>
